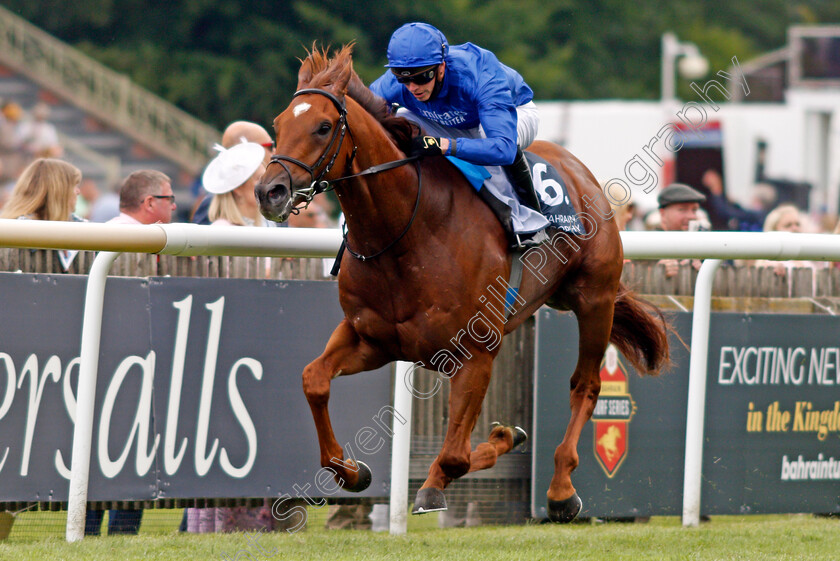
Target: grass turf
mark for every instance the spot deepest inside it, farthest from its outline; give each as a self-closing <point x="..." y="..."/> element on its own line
<point x="753" y="538"/>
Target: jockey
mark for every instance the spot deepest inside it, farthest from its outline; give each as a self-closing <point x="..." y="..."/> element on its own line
<point x="473" y="107"/>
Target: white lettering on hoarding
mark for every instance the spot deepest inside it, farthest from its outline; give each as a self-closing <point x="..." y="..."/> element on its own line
<point x="139" y="436"/>
<point x="203" y="461"/>
<point x="820" y="469"/>
<point x="36" y="391"/>
<point x="8" y="396"/>
<point x="773" y="366"/>
<point x="241" y="413"/>
<point x="171" y="460"/>
<point x="70" y="407"/>
<point x="142" y="419"/>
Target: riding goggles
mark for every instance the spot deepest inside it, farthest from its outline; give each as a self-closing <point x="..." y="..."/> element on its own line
<point x="423" y="77"/>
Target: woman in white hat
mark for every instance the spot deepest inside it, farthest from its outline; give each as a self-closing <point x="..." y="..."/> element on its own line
<point x="231" y="177"/>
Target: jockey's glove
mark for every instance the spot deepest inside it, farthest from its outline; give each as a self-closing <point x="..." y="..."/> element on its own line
<point x="425" y="146"/>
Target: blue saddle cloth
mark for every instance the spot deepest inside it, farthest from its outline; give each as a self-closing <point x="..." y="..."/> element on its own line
<point x="554" y="198"/>
<point x="475" y="174"/>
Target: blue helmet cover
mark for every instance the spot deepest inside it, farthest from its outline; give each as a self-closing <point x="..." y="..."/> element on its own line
<point x="415" y="45"/>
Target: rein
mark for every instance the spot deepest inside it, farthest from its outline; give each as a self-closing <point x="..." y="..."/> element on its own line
<point x="361" y="257"/>
<point x="320" y="185"/>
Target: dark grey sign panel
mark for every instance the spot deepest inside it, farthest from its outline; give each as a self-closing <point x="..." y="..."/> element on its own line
<point x="641" y="481"/>
<point x="773" y="423"/>
<point x="40" y="323"/>
<point x="228" y="352"/>
<point x="762" y="370"/>
<point x="252" y="339"/>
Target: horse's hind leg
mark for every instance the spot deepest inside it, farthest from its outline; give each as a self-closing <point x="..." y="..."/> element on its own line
<point x="502" y="440"/>
<point x="594" y="314"/>
<point x="344" y="354"/>
<point x="467" y="390"/>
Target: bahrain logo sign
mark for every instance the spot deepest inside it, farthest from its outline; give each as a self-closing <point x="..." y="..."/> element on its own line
<point x="612" y="413"/>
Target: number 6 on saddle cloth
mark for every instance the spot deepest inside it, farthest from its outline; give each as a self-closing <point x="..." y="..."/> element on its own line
<point x="549" y="186"/>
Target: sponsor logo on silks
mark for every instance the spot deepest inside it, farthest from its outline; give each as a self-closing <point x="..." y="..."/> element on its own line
<point x="612" y="413"/>
<point x="447" y="118"/>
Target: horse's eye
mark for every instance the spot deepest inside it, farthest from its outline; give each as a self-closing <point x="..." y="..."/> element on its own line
<point x="324" y="129"/>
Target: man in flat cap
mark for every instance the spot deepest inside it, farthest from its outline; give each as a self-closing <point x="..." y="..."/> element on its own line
<point x="678" y="207"/>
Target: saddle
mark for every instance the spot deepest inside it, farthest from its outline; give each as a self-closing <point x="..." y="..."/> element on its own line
<point x="549" y="185"/>
<point x="554" y="200"/>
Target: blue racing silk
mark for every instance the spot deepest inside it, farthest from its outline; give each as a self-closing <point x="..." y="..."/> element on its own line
<point x="477" y="90"/>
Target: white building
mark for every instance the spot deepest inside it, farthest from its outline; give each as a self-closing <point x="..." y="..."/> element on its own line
<point x="785" y="104"/>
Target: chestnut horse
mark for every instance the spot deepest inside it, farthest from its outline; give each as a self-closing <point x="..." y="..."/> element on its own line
<point x="422" y="251"/>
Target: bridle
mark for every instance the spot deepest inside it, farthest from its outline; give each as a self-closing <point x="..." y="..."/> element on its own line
<point x="320" y="185"/>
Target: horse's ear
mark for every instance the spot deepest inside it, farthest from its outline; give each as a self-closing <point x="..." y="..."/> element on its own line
<point x="304" y="74"/>
<point x="308" y="67"/>
<point x="342" y="79"/>
<point x="342" y="66"/>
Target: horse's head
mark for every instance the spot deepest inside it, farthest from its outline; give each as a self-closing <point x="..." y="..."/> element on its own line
<point x="310" y="136"/>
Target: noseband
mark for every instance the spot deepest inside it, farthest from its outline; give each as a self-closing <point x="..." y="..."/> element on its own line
<point x="317" y="184"/>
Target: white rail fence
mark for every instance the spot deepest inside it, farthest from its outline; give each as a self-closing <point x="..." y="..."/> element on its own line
<point x="189" y="239"/>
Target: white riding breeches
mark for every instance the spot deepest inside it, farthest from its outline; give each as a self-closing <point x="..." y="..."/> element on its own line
<point x="524" y="220"/>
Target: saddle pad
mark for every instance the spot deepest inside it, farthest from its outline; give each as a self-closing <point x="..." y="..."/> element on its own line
<point x="555" y="204"/>
<point x="475" y="174"/>
<point x="554" y="198"/>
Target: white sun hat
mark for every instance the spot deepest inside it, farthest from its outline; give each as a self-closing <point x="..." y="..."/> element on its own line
<point x="232" y="167"/>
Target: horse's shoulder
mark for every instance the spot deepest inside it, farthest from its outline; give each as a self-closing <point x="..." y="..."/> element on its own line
<point x="552" y="152"/>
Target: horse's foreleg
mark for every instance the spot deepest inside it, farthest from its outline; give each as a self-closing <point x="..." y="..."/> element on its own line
<point x="344" y="354"/>
<point x="594" y="324"/>
<point x="467" y="390"/>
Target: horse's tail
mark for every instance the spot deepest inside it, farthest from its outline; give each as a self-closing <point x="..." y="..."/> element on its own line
<point x="640" y="331"/>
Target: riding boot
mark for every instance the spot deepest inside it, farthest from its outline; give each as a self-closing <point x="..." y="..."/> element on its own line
<point x="523" y="184"/>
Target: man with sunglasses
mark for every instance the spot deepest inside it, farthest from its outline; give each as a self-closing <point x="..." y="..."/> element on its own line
<point x="470" y="106"/>
<point x="146" y="198"/>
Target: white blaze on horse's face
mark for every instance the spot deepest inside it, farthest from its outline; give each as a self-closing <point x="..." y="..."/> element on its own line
<point x="301" y="109"/>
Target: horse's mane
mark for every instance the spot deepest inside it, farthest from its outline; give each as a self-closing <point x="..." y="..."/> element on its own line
<point x="318" y="70"/>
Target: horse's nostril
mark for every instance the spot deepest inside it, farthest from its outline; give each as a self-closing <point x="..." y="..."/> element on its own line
<point x="277" y="193"/>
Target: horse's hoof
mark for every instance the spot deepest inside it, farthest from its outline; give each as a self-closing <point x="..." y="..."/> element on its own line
<point x="364" y="479"/>
<point x="565" y="511"/>
<point x="429" y="500"/>
<point x="519" y="436"/>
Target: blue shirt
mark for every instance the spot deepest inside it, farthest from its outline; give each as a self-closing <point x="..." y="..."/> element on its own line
<point x="477" y="90"/>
